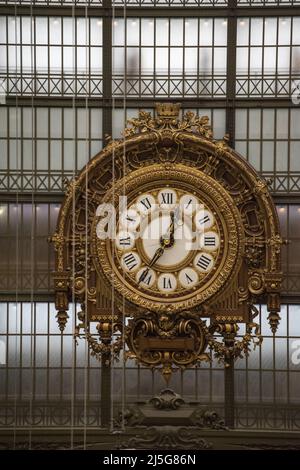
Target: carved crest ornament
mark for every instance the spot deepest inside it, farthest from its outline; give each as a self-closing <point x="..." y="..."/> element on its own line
<point x="168" y="238"/>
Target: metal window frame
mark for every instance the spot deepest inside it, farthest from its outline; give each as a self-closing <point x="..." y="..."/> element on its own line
<point x="233" y="11"/>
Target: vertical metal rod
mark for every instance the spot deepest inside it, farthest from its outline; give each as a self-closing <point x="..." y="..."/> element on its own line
<point x="230" y="129"/>
<point x="105" y="390"/>
<point x="107" y="69"/>
<point x="105" y="398"/>
<point x="229" y="394"/>
<point x="231" y="73"/>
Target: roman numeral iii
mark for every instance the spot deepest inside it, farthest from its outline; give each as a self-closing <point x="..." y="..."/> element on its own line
<point x="203" y="262"/>
<point x="209" y="241"/>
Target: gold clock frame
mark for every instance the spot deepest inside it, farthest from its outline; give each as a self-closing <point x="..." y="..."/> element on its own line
<point x="184" y="146"/>
<point x="189" y="179"/>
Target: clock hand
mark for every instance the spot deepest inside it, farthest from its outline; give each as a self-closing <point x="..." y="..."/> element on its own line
<point x="177" y="216"/>
<point x="159" y="252"/>
<point x="167" y="240"/>
<point x="172" y="226"/>
<point x="143" y="275"/>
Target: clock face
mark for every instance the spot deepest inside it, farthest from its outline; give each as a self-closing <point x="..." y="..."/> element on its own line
<point x="176" y="239"/>
<point x="168" y="241"/>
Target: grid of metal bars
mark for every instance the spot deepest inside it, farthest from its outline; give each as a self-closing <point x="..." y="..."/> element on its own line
<point x="33" y="383"/>
<point x="46" y="368"/>
<point x="53" y="144"/>
<point x="138" y="62"/>
<point x="48" y="56"/>
<point x="168" y="57"/>
<point x="268" y="56"/>
<point x="39" y="220"/>
<point x="270" y="375"/>
<point x="157" y="3"/>
<point x="269" y="139"/>
<point x="289" y="216"/>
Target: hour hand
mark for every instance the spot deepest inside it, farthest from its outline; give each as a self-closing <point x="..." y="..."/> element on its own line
<point x="167" y="240"/>
<point x="172" y="226"/>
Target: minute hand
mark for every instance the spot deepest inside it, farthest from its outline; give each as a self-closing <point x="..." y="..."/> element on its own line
<point x="159" y="252"/>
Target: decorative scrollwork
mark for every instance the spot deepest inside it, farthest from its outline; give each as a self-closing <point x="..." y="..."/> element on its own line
<point x="168" y="438"/>
<point x="99" y="349"/>
<point x="166" y="340"/>
<point x="185" y="150"/>
<point x="210" y="419"/>
<point x="167" y="399"/>
<point x="256" y="283"/>
<point x="167" y="118"/>
<point x="255" y="252"/>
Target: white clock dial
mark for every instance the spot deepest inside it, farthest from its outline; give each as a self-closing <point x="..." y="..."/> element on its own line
<point x="125" y="240"/>
<point x="130" y="219"/>
<point x="210" y="241"/>
<point x="204" y="219"/>
<point x="167" y="198"/>
<point x="204" y="262"/>
<point x="130" y="261"/>
<point x="188" y="277"/>
<point x="157" y="228"/>
<point x="146" y="277"/>
<point x="169" y="231"/>
<point x="189" y="204"/>
<point x="167" y="282"/>
<point x="145" y="203"/>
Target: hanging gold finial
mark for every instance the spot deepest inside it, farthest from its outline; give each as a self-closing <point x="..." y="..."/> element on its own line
<point x="167" y="110"/>
<point x="167" y="372"/>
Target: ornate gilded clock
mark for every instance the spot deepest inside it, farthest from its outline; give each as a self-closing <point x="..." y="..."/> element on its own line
<point x="174" y="231"/>
<point x="177" y="240"/>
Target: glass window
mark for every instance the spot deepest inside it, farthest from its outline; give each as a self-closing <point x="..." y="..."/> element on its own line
<point x="166" y="50"/>
<point x="256" y="131"/>
<point x="29" y="135"/>
<point x="47" y="47"/>
<point x="267" y="42"/>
